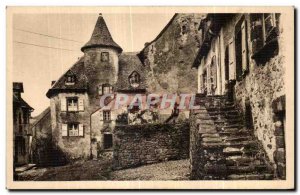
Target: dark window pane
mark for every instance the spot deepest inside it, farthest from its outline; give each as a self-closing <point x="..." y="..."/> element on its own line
<point x="108" y="141"/>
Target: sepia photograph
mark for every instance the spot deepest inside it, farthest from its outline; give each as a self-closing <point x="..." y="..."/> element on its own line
<point x="150" y="98"/>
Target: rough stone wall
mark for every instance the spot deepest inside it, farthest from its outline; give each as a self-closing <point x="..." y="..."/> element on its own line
<point x="136" y="145"/>
<point x="261" y="87"/>
<point x="72" y="147"/>
<point x="42" y="141"/>
<point x="99" y="72"/>
<point x="170" y="56"/>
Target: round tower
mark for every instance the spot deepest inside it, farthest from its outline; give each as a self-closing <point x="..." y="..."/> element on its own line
<point x="101" y="59"/>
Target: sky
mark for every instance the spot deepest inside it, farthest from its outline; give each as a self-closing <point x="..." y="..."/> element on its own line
<point x="37" y="66"/>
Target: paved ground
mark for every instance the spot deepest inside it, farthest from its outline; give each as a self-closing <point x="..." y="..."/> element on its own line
<point x="170" y="170"/>
<point x="80" y="170"/>
<point x="101" y="170"/>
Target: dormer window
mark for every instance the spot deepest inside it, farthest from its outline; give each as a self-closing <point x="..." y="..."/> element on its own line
<point x="70" y="80"/>
<point x="134" y="79"/>
<point x="104" y="56"/>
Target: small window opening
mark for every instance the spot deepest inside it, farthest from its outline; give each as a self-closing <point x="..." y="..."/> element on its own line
<point x="108" y="141"/>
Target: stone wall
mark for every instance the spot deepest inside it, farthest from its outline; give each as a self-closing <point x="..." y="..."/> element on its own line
<point x="171" y="54"/>
<point x="259" y="89"/>
<point x="42" y="139"/>
<point x="72" y="147"/>
<point x="136" y="145"/>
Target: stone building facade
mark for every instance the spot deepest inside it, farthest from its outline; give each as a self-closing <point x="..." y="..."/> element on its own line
<point x="241" y="56"/>
<point x="22" y="135"/>
<point x="81" y="128"/>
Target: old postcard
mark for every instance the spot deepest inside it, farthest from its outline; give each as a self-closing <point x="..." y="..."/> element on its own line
<point x="150" y="98"/>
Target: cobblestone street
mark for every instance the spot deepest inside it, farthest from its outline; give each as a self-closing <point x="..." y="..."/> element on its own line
<point x="170" y="170"/>
<point x="101" y="170"/>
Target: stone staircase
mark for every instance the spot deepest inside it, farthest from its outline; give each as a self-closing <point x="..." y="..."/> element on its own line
<point x="228" y="150"/>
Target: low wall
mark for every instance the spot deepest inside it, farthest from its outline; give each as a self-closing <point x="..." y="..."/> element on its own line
<point x="136" y="145"/>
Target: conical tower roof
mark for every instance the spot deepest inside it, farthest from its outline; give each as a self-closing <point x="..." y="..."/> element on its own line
<point x="101" y="37"/>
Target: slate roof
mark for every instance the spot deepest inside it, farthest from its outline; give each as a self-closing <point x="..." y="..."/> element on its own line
<point x="101" y="37"/>
<point x="129" y="62"/>
<point x="21" y="102"/>
<point x="38" y="118"/>
<point x="80" y="84"/>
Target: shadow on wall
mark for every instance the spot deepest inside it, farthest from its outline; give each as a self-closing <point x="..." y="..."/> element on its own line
<point x="49" y="155"/>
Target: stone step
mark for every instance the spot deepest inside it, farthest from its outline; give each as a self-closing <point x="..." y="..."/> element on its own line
<point x="266" y="176"/>
<point x="210" y="135"/>
<point x="237" y="138"/>
<point x="241" y="143"/>
<point x="231" y="121"/>
<point x="224" y="112"/>
<point x="206" y="123"/>
<point x="204" y="117"/>
<point x="246" y="169"/>
<point x="233" y="151"/>
<point x="233" y="131"/>
<point x="216" y="142"/>
<point x="212" y="139"/>
<point x="220" y="109"/>
<point x="230" y="126"/>
<point x="238" y="160"/>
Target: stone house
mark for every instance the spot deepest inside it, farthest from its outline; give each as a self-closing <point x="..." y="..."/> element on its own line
<point x="81" y="128"/>
<point x="22" y="135"/>
<point x="241" y="56"/>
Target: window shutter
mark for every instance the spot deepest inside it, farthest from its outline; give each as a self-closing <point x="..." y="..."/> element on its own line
<point x="101" y="115"/>
<point x="208" y="79"/>
<point x="201" y="82"/>
<point x="64" y="130"/>
<point x="110" y="89"/>
<point x="214" y="71"/>
<point x="80" y="130"/>
<point x="112" y="116"/>
<point x="63" y="104"/>
<point x="257" y="37"/>
<point x="244" y="47"/>
<point x="232" y="74"/>
<point x="100" y="90"/>
<point x="80" y="104"/>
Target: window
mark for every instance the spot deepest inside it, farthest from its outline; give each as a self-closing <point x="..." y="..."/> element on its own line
<point x="108" y="141"/>
<point x="183" y="29"/>
<point x="105" y="89"/>
<point x="106" y="115"/>
<point x="70" y="80"/>
<point x="134" y="79"/>
<point x="104" y="56"/>
<point x="264" y="30"/>
<point x="72" y="104"/>
<point x="238" y="52"/>
<point x="72" y="130"/>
